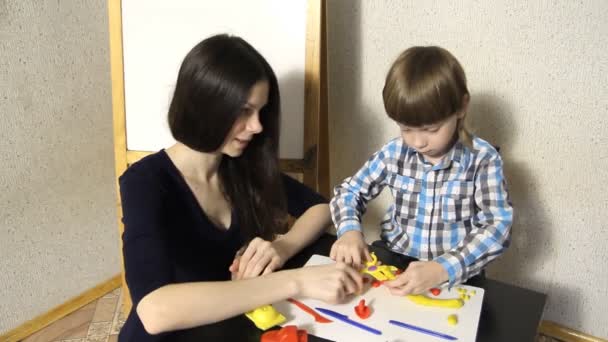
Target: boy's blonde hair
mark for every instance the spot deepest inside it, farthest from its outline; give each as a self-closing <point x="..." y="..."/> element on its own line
<point x="426" y="84"/>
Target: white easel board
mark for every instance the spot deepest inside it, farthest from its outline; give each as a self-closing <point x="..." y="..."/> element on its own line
<point x="157" y="35"/>
<point x="387" y="307"/>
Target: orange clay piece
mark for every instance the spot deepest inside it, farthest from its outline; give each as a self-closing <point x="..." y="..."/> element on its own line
<point x="435" y="291"/>
<point x="289" y="333"/>
<point x="362" y="310"/>
<point x="376" y="283"/>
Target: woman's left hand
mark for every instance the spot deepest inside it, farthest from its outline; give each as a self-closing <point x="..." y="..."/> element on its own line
<point x="260" y="257"/>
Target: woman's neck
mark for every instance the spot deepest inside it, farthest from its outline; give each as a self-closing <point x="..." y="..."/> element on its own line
<point x="199" y="166"/>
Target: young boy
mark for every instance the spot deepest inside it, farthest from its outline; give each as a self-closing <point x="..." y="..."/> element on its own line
<point x="451" y="208"/>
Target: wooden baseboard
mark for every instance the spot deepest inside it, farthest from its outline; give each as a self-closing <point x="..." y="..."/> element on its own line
<point x="61" y="311"/>
<point x="562" y="333"/>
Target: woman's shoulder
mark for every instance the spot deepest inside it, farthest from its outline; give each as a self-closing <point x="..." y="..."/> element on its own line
<point x="151" y="168"/>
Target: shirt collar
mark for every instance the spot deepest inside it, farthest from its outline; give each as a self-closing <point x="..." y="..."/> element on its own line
<point x="456" y="154"/>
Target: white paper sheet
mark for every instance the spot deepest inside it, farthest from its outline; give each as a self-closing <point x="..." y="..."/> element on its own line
<point x="387" y="307"/>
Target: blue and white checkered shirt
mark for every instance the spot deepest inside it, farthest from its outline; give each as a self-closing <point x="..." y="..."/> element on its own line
<point x="457" y="212"/>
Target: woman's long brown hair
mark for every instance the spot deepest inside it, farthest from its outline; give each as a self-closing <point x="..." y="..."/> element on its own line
<point x="213" y="84"/>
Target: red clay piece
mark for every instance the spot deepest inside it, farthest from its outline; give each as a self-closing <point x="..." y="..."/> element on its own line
<point x="435" y="291"/>
<point x="289" y="333"/>
<point x="362" y="310"/>
<point x="376" y="283"/>
<point x="309" y="310"/>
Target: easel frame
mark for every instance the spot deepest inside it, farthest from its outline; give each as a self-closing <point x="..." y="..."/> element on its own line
<point x="312" y="169"/>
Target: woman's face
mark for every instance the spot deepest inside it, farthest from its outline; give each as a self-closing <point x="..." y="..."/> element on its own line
<point x="248" y="123"/>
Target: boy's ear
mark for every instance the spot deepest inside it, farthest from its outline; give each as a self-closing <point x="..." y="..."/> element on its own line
<point x="465" y="106"/>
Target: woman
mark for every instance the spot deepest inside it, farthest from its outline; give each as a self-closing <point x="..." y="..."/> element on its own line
<point x="189" y="209"/>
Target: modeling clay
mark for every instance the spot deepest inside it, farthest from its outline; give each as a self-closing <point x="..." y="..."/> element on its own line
<point x="362" y="310"/>
<point x="435" y="291"/>
<point x="379" y="272"/>
<point x="436" y="302"/>
<point x="265" y="317"/>
<point x="289" y="333"/>
<point x="464" y="296"/>
<point x="309" y="310"/>
<point x="452" y="319"/>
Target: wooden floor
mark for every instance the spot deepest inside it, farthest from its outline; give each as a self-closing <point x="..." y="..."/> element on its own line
<point x="99" y="321"/>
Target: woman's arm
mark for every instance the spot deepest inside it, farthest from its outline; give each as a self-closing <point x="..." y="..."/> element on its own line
<point x="187" y="305"/>
<point x="306" y="229"/>
<point x="313" y="217"/>
<point x="263" y="257"/>
<point x="164" y="305"/>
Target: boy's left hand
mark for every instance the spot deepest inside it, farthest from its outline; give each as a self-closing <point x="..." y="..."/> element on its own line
<point x="259" y="257"/>
<point x="418" y="278"/>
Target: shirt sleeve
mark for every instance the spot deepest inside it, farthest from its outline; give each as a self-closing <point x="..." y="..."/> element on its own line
<point x="146" y="258"/>
<point x="350" y="198"/>
<point x="492" y="222"/>
<point x="300" y="197"/>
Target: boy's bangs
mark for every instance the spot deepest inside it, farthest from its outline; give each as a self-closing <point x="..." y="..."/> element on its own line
<point x="422" y="106"/>
<point x="424" y="86"/>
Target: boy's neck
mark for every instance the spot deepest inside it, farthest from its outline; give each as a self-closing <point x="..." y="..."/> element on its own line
<point x="434" y="160"/>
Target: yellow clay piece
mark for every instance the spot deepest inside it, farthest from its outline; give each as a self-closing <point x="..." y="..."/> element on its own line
<point x="472" y="292"/>
<point x="465" y="296"/>
<point x="452" y="319"/>
<point x="374" y="261"/>
<point x="461" y="290"/>
<point x="436" y="302"/>
<point x="265" y="317"/>
<point x="379" y="272"/>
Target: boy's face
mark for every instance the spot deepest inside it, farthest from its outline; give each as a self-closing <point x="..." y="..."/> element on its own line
<point x="432" y="141"/>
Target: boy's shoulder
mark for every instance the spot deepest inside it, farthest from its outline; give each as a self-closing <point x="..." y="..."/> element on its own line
<point x="484" y="150"/>
<point x="394" y="147"/>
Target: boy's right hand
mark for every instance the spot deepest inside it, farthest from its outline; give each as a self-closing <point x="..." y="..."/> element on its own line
<point x="351" y="249"/>
<point x="331" y="283"/>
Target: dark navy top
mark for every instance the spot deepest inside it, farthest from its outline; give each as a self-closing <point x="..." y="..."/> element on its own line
<point x="168" y="238"/>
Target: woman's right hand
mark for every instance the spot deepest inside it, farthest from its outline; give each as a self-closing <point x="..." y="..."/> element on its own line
<point x="351" y="249"/>
<point x="331" y="283"/>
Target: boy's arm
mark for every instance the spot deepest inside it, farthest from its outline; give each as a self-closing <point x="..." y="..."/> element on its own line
<point x="491" y="231"/>
<point x="351" y="197"/>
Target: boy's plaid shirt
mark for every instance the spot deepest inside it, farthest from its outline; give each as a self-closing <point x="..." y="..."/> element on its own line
<point x="457" y="213"/>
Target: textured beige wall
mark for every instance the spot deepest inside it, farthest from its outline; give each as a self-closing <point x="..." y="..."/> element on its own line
<point x="58" y="231"/>
<point x="537" y="73"/>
